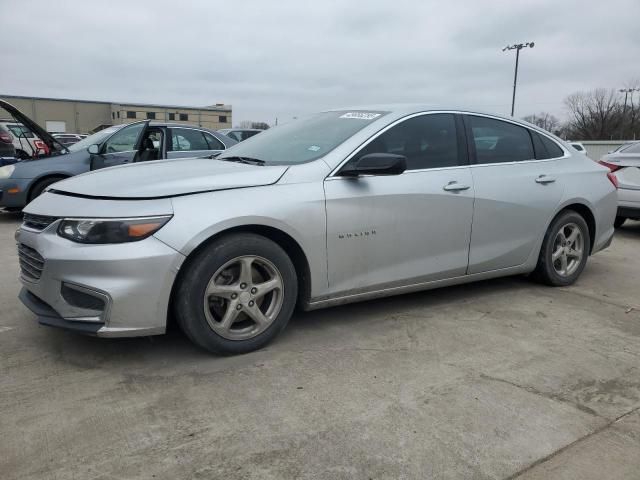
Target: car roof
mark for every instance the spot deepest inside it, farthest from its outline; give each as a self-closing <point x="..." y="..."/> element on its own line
<point x="396" y="111"/>
<point x="176" y="125"/>
<point x="409" y="108"/>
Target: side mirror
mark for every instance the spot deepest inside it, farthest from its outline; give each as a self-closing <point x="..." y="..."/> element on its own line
<point x="376" y="164"/>
<point x="94" y="149"/>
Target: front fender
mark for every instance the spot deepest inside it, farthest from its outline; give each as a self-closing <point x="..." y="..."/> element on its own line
<point x="297" y="210"/>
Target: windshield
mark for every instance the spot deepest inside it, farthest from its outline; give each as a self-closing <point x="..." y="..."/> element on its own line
<point x="303" y="140"/>
<point x="96" y="138"/>
<point x="629" y="148"/>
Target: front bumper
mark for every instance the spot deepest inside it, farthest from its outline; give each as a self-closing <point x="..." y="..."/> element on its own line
<point x="14" y="192"/>
<point x="116" y="290"/>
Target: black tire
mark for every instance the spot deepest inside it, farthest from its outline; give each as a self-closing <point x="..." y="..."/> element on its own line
<point x="39" y="187"/>
<point x="22" y="155"/>
<point x="619" y="221"/>
<point x="545" y="271"/>
<point x="190" y="292"/>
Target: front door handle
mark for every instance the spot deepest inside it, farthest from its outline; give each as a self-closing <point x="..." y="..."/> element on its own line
<point x="545" y="179"/>
<point x="454" y="186"/>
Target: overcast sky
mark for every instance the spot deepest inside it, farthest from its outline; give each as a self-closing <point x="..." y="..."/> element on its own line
<point x="286" y="58"/>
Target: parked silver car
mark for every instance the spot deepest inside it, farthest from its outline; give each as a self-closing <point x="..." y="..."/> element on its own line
<point x="342" y="206"/>
<point x="624" y="164"/>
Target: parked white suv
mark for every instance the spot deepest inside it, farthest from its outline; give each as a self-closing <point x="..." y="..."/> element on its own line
<point x="26" y="143"/>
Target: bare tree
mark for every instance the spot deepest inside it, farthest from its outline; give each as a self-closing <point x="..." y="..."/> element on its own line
<point x="545" y="121"/>
<point x="594" y="115"/>
<point x="252" y="124"/>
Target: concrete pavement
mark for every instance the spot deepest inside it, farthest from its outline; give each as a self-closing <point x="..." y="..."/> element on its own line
<point x="500" y="379"/>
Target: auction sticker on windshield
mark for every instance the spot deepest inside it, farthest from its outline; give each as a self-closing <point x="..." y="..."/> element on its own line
<point x="361" y="115"/>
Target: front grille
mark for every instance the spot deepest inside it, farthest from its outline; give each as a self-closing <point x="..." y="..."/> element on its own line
<point x="37" y="222"/>
<point x="31" y="262"/>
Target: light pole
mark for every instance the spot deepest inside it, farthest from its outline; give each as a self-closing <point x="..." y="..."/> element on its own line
<point x="517" y="47"/>
<point x="627" y="92"/>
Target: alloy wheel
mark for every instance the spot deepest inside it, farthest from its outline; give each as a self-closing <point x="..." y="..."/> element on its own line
<point x="243" y="297"/>
<point x="568" y="250"/>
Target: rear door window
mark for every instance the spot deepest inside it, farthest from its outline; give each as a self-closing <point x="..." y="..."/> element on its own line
<point x="186" y="140"/>
<point x="497" y="141"/>
<point x="635" y="148"/>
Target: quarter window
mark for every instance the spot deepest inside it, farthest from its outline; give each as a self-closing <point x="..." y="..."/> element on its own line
<point x="499" y="142"/>
<point x="183" y="139"/>
<point x="427" y="141"/>
<point x="213" y="142"/>
<point x="545" y="147"/>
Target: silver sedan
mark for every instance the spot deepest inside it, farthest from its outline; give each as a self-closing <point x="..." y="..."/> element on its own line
<point x="342" y="206"/>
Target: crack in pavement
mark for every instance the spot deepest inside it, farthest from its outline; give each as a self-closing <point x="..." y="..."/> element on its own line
<point x="545" y="459"/>
<point x="550" y="396"/>
<point x="606" y="300"/>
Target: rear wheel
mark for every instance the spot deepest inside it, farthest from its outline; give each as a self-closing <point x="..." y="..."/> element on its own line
<point x="236" y="295"/>
<point x="564" y="251"/>
<point x="619" y="221"/>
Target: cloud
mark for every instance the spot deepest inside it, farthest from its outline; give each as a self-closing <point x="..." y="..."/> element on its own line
<point x="287" y="58"/>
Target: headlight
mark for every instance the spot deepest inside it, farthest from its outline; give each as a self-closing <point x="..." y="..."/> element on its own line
<point x="6" y="171"/>
<point x="117" y="230"/>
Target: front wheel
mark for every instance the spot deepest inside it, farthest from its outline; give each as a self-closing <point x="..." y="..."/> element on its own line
<point x="564" y="251"/>
<point x="237" y="294"/>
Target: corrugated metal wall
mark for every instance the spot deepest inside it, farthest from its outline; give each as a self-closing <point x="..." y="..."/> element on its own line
<point x="596" y="149"/>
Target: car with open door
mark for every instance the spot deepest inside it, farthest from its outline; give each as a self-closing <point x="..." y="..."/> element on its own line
<point x="341" y="206"/>
<point x="136" y="142"/>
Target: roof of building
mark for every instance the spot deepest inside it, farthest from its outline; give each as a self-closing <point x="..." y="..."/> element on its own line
<point x="215" y="108"/>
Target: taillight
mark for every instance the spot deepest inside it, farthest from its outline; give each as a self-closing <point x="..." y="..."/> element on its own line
<point x="6" y="137"/>
<point x="610" y="175"/>
<point x="610" y="166"/>
<point x="40" y="145"/>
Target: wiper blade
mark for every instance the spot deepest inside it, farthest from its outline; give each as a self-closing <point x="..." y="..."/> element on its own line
<point x="247" y="160"/>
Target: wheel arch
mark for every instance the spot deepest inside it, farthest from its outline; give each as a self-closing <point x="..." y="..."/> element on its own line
<point x="585" y="212"/>
<point x="46" y="176"/>
<point x="290" y="245"/>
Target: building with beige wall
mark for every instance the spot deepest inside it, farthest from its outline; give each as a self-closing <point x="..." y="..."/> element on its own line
<point x="86" y="116"/>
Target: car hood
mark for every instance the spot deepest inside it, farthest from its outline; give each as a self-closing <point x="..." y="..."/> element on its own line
<point x="168" y="178"/>
<point x="54" y="145"/>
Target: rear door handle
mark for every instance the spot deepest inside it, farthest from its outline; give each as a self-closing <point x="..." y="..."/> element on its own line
<point x="545" y="179"/>
<point x="454" y="186"/>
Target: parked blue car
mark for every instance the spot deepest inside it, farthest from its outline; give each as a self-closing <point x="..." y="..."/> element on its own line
<point x="24" y="180"/>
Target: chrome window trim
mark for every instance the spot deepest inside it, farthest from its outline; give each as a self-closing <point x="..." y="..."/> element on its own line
<point x="333" y="173"/>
